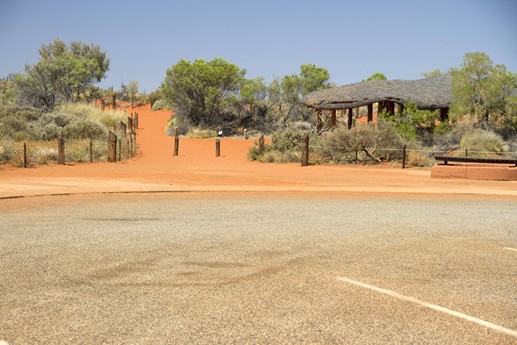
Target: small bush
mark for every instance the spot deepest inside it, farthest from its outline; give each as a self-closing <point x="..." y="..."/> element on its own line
<point x="481" y="141"/>
<point x="201" y="133"/>
<point x="43" y="155"/>
<point x="7" y="150"/>
<point x="419" y="159"/>
<point x="159" y="105"/>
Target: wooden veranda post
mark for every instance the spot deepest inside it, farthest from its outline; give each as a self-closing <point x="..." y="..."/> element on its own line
<point x="61" y="151"/>
<point x="305" y="150"/>
<point x="350" y="118"/>
<point x="370" y="112"/>
<point x="333" y="121"/>
<point x="112" y="147"/>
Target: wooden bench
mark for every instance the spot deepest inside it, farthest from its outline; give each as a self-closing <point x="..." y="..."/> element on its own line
<point x="507" y="161"/>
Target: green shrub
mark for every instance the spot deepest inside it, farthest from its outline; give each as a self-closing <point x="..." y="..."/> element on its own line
<point x="419" y="159"/>
<point x="482" y="141"/>
<point x="363" y="143"/>
<point x="159" y="105"/>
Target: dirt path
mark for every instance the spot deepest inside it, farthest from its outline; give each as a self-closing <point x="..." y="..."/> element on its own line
<point x="197" y="169"/>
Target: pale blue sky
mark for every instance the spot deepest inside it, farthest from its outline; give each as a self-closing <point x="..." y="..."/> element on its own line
<point x="352" y="39"/>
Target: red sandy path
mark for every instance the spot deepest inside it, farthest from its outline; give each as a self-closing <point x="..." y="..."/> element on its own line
<point x="197" y="168"/>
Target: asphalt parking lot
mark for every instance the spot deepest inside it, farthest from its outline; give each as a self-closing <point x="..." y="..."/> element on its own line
<point x="261" y="268"/>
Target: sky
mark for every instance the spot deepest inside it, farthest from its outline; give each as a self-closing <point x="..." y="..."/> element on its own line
<point x="268" y="38"/>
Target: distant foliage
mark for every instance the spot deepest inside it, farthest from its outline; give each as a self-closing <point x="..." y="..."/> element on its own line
<point x="63" y="74"/>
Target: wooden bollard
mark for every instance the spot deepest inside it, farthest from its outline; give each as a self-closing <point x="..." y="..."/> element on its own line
<point x="61" y="151"/>
<point x="112" y="147"/>
<point x="24" y="155"/>
<point x="245" y="134"/>
<point x="404" y="157"/>
<point x="305" y="150"/>
<point x="119" y="150"/>
<point x="261" y="144"/>
<point x="217" y="147"/>
<point x="176" y="141"/>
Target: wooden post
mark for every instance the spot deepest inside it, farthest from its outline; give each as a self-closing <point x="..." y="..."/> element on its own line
<point x="380" y="107"/>
<point x="114" y="101"/>
<point x="119" y="150"/>
<point x="123" y="127"/>
<point x="391" y="107"/>
<point x="176" y="141"/>
<point x="350" y="118"/>
<point x="305" y="150"/>
<point x="112" y="147"/>
<point x="357" y="112"/>
<point x="444" y="115"/>
<point x="133" y="143"/>
<point x="24" y="155"/>
<point x="319" y="123"/>
<point x="370" y="112"/>
<point x="103" y="105"/>
<point x="399" y="108"/>
<point x="217" y="147"/>
<point x="130" y="124"/>
<point x="91" y="150"/>
<point x="404" y="157"/>
<point x="466" y="152"/>
<point x="261" y="144"/>
<point x="245" y="134"/>
<point x="61" y="151"/>
<point x="333" y="121"/>
<point x="136" y="120"/>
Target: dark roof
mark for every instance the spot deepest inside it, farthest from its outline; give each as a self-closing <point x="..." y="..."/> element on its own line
<point x="429" y="93"/>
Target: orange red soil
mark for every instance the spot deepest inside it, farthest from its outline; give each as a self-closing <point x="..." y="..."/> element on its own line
<point x="198" y="169"/>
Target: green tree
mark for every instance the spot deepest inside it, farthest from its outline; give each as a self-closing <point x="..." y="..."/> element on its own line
<point x="62" y="74"/>
<point x="294" y="87"/>
<point x="200" y="90"/>
<point x="434" y="73"/>
<point x="483" y="91"/>
<point x="377" y="76"/>
<point x="132" y="88"/>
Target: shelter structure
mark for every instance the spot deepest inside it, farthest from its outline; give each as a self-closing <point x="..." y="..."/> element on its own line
<point x="434" y="93"/>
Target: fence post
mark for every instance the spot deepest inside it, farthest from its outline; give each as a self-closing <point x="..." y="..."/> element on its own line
<point x="305" y="150"/>
<point x="114" y="101"/>
<point x="245" y="134"/>
<point x="133" y="143"/>
<point x="91" y="150"/>
<point x="61" y="151"/>
<point x="129" y="124"/>
<point x="261" y="144"/>
<point x="24" y="155"/>
<point x="112" y="147"/>
<point x="217" y="147"/>
<point x="103" y="105"/>
<point x="119" y="150"/>
<point x="404" y="157"/>
<point x="466" y="152"/>
<point x="123" y="127"/>
<point x="176" y="141"/>
<point x="136" y="120"/>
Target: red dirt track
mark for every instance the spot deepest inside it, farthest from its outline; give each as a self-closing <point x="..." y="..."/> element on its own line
<point x="197" y="169"/>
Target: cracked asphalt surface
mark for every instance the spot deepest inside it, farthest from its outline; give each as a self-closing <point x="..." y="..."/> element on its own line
<point x="261" y="268"/>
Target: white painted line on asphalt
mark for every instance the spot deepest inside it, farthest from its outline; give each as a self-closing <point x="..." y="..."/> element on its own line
<point x="433" y="307"/>
<point x="508" y="248"/>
